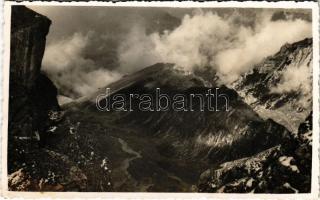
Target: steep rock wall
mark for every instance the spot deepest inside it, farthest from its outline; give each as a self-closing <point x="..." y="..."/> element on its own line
<point x="32" y="94"/>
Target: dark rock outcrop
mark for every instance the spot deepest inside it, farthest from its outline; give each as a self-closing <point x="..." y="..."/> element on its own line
<point x="34" y="163"/>
<point x="28" y="33"/>
<point x="32" y="94"/>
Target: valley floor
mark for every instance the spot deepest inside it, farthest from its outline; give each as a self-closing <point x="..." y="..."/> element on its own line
<point x="137" y="163"/>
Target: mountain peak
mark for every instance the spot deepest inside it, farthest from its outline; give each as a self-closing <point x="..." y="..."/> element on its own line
<point x="280" y="87"/>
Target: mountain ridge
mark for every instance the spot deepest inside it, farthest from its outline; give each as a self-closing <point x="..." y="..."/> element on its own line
<point x="287" y="108"/>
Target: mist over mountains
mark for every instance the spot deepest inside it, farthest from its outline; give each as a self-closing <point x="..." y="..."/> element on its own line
<point x="118" y="44"/>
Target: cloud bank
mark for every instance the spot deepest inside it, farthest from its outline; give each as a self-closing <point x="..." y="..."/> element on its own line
<point x="72" y="72"/>
<point x="96" y="48"/>
<point x="296" y="77"/>
<point x="207" y="39"/>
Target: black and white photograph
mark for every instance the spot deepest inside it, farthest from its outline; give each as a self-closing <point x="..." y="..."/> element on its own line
<point x="161" y="98"/>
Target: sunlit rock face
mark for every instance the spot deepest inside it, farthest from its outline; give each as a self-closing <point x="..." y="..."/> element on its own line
<point x="280" y="87"/>
<point x="285" y="168"/>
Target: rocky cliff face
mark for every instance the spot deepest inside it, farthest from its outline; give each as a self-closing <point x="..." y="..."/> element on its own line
<point x="31" y="93"/>
<point x="277" y="89"/>
<point x="28" y="33"/>
<point x="33" y="114"/>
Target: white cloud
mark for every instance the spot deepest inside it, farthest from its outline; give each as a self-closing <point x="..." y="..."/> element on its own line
<point x="206" y="39"/>
<point x="71" y="71"/>
<point x="231" y="45"/>
<point x="296" y="77"/>
<point x="267" y="40"/>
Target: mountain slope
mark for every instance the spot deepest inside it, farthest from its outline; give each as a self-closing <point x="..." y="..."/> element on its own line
<point x="207" y="132"/>
<point x="285" y="168"/>
<point x="277" y="89"/>
<point x="175" y="146"/>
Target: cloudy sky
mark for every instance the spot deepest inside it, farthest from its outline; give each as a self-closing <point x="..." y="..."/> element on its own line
<point x="89" y="47"/>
